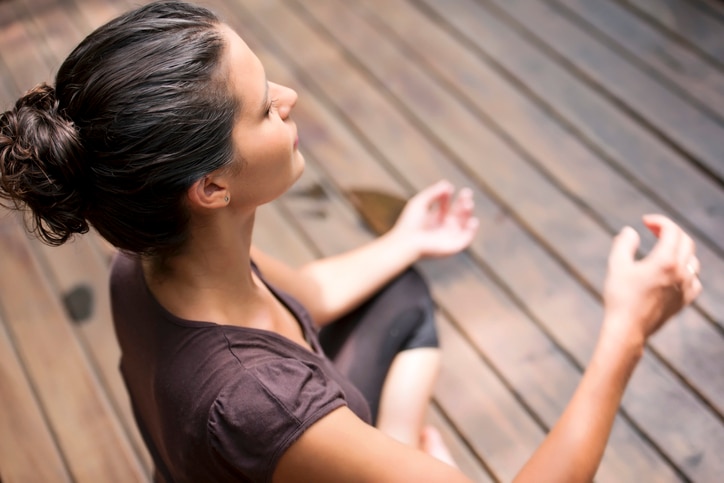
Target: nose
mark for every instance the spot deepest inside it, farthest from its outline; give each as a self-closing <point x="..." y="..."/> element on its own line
<point x="287" y="99"/>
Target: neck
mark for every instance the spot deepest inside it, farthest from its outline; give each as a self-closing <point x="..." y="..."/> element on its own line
<point x="211" y="275"/>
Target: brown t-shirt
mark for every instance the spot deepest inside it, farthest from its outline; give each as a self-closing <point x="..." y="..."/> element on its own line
<point x="216" y="402"/>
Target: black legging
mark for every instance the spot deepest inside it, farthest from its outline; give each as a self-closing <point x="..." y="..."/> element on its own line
<point x="363" y="343"/>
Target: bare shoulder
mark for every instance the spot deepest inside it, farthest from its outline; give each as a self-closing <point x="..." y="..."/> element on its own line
<point x="341" y="447"/>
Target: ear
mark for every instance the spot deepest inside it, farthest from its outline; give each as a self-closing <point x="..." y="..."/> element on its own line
<point x="209" y="192"/>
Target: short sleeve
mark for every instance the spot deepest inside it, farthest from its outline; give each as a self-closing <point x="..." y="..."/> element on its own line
<point x="255" y="419"/>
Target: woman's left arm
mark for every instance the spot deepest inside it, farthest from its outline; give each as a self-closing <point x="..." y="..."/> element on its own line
<point x="434" y="223"/>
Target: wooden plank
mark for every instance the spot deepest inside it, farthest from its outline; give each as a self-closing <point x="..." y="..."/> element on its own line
<point x="607" y="132"/>
<point x="102" y="247"/>
<point x="19" y="54"/>
<point x="8" y="90"/>
<point x="7" y="87"/>
<point x="695" y="77"/>
<point x="686" y="22"/>
<point x="524" y="191"/>
<point x="31" y="31"/>
<point x="78" y="267"/>
<point x="714" y="8"/>
<point x="655" y="105"/>
<point x="275" y="235"/>
<point x="87" y="15"/>
<point x="27" y="449"/>
<point x="578" y="169"/>
<point x="481" y="405"/>
<point x="87" y="431"/>
<point x="575" y="300"/>
<point x="463" y="457"/>
<point x="51" y="28"/>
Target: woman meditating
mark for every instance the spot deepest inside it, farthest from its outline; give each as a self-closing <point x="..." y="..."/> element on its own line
<point x="163" y="133"/>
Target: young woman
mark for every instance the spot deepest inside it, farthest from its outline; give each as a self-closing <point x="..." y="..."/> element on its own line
<point x="164" y="134"/>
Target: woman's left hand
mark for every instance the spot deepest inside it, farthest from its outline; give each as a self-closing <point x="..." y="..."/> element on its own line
<point x="437" y="223"/>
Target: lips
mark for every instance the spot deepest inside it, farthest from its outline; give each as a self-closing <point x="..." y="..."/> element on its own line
<point x="296" y="142"/>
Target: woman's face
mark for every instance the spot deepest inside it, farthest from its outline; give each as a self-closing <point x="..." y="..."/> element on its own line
<point x="265" y="137"/>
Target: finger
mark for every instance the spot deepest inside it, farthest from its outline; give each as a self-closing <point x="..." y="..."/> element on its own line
<point x="691" y="274"/>
<point x="463" y="205"/>
<point x="685" y="255"/>
<point x="472" y="225"/>
<point x="444" y="202"/>
<point x="437" y="196"/>
<point x="669" y="235"/>
<point x="623" y="249"/>
<point x="652" y="222"/>
<point x="693" y="291"/>
<point x="693" y="265"/>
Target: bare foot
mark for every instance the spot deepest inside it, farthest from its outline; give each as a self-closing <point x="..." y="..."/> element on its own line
<point x="431" y="442"/>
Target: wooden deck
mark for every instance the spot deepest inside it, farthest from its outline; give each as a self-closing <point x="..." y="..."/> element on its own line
<point x="568" y="118"/>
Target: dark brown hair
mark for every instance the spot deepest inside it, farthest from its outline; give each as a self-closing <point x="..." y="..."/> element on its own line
<point x="139" y="112"/>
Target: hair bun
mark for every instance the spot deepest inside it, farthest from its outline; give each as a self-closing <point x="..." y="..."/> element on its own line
<point x="41" y="166"/>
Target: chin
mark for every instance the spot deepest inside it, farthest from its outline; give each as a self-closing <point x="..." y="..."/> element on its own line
<point x="296" y="171"/>
<point x="298" y="167"/>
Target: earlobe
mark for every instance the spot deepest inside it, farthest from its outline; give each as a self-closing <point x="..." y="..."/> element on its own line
<point x="208" y="193"/>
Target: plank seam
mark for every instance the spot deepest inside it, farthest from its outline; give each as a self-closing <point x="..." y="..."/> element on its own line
<point x="90" y="360"/>
<point x="28" y="377"/>
<point x="656" y="76"/>
<point x="601" y="89"/>
<point x="465" y="442"/>
<point x="671" y="34"/>
<point x="615" y="166"/>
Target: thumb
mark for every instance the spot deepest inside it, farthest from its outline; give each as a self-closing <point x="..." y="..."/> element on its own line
<point x="623" y="249"/>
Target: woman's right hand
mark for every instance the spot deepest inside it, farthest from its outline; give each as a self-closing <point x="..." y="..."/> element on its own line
<point x="640" y="295"/>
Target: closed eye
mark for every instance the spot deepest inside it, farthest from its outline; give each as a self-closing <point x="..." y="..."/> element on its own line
<point x="271" y="107"/>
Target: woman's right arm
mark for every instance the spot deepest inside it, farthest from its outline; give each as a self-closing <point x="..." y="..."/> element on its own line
<point x="639" y="297"/>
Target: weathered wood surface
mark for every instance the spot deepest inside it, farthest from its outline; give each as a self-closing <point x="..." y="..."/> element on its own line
<point x="567" y="118"/>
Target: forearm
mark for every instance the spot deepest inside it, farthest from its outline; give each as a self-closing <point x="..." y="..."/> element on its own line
<point x="639" y="296"/>
<point x="574" y="447"/>
<point x="341" y="282"/>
